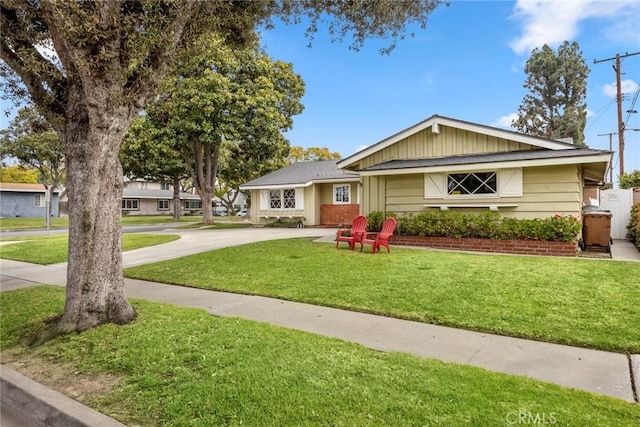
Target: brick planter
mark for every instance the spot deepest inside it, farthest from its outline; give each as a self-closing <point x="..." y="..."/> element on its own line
<point x="528" y="247"/>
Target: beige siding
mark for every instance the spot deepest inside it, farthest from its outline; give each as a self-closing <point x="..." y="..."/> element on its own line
<point x="449" y="142"/>
<point x="546" y="191"/>
<point x="314" y="196"/>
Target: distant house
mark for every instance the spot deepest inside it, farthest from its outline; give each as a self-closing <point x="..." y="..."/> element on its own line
<point x="140" y="197"/>
<point x="316" y="192"/>
<point x="448" y="164"/>
<point x="26" y="200"/>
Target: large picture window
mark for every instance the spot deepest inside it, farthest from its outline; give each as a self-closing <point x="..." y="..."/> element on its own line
<point x="459" y="184"/>
<point x="342" y="194"/>
<point x="130" y="204"/>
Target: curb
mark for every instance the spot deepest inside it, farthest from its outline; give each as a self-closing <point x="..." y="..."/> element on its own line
<point x="38" y="405"/>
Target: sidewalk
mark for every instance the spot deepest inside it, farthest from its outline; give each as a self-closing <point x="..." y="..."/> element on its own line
<point x="591" y="370"/>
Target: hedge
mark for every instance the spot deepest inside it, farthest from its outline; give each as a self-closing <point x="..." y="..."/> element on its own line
<point x="633" y="228"/>
<point x="560" y="228"/>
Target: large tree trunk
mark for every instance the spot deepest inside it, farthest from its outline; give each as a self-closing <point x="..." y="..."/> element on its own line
<point x="95" y="283"/>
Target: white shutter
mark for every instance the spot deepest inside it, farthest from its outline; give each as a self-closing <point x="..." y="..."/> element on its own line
<point x="299" y="198"/>
<point x="434" y="187"/>
<point x="510" y="183"/>
<point x="264" y="200"/>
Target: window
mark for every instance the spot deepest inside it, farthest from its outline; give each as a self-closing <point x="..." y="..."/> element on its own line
<point x="282" y="199"/>
<point x="274" y="199"/>
<point x="165" y="186"/>
<point x="289" y="196"/>
<point x="342" y="194"/>
<point x="40" y="201"/>
<point x="130" y="205"/>
<point x="193" y="205"/>
<point x="163" y="205"/>
<point x="459" y="184"/>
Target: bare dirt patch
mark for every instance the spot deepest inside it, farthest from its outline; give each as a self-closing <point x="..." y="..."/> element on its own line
<point x="60" y="376"/>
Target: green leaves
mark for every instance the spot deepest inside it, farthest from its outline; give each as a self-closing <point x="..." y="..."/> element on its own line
<point x="555" y="105"/>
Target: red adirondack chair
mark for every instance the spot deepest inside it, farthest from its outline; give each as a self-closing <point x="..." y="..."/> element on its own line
<point x="380" y="239"/>
<point x="356" y="232"/>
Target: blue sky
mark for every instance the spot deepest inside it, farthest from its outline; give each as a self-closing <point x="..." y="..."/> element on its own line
<point x="467" y="64"/>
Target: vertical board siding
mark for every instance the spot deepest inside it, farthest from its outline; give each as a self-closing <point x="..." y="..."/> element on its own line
<point x="547" y="191"/>
<point x="449" y="142"/>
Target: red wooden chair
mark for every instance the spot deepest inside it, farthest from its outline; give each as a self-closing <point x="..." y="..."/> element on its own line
<point x="356" y="232"/>
<point x="380" y="239"/>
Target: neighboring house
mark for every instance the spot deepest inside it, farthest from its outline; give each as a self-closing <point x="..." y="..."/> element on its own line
<point x="449" y="164"/>
<point x="26" y="200"/>
<point x="141" y="197"/>
<point x="316" y="192"/>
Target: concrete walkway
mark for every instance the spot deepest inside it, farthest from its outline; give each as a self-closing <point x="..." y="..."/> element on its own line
<point x="591" y="370"/>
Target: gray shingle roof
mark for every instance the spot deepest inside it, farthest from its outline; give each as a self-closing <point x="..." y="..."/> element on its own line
<point x="485" y="158"/>
<point x="302" y="173"/>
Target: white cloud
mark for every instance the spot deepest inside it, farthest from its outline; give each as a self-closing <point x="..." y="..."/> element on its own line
<point x="552" y="22"/>
<point x="505" y="121"/>
<point x="627" y="86"/>
<point x="362" y="147"/>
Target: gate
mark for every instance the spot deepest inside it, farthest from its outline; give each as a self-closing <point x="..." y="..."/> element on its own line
<point x="619" y="202"/>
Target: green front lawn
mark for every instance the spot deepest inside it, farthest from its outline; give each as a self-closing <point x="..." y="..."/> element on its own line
<point x="183" y="367"/>
<point x="53" y="249"/>
<point x="39" y="223"/>
<point x="579" y="302"/>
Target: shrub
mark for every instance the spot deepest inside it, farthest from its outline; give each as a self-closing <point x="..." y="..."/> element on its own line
<point x="375" y="219"/>
<point x="489" y="226"/>
<point x="286" y="223"/>
<point x="633" y="228"/>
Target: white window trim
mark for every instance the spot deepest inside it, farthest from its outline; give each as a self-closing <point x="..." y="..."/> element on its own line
<point x="335" y="201"/>
<point x="137" y="204"/>
<point x="509" y="183"/>
<point x="40" y="200"/>
<point x="470" y="196"/>
<point x="265" y="199"/>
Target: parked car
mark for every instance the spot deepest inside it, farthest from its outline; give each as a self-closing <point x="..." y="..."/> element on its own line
<point x="242" y="213"/>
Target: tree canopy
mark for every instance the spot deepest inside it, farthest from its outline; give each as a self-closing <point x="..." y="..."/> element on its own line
<point x="630" y="179"/>
<point x="240" y="100"/>
<point x="91" y="66"/>
<point x="555" y="106"/>
<point x="18" y="174"/>
<point x="312" y="154"/>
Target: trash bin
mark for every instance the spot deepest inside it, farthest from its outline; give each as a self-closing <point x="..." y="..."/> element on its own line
<point x="596" y="230"/>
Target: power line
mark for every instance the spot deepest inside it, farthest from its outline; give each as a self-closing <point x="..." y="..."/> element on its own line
<point x="621" y="123"/>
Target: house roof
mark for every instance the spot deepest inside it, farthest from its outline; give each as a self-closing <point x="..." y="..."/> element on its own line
<point x="506" y="159"/>
<point x="137" y="193"/>
<point x="24" y="188"/>
<point x="302" y="174"/>
<point x="435" y="121"/>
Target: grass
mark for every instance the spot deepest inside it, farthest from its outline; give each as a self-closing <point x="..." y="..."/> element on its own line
<point x="53" y="249"/>
<point x="183" y="367"/>
<point x="38" y="223"/>
<point x="578" y="302"/>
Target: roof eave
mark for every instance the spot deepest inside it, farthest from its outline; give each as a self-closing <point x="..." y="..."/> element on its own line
<point x="557" y="161"/>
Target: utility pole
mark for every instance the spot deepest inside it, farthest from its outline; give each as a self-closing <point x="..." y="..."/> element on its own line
<point x="616" y="68"/>
<point x="610" y="149"/>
